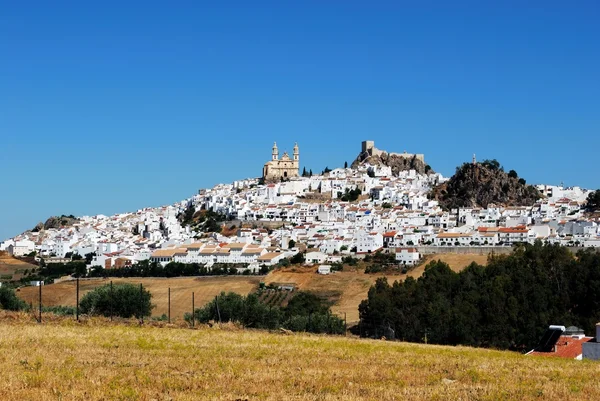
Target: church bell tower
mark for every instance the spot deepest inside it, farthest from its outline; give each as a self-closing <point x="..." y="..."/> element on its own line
<point x="275" y="151"/>
<point x="296" y="153"/>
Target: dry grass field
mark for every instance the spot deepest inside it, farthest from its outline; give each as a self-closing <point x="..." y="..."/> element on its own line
<point x="458" y="262"/>
<point x="10" y="266"/>
<point x="63" y="360"/>
<point x="204" y="288"/>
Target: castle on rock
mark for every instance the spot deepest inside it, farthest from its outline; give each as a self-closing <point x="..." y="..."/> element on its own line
<point x="277" y="169"/>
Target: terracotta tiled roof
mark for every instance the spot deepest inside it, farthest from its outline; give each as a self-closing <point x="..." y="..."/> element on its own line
<point x="566" y="347"/>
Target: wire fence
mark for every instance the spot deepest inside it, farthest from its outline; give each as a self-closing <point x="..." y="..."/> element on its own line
<point x="324" y="323"/>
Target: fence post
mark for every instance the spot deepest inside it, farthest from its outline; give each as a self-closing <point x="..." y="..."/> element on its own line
<point x="169" y="307"/>
<point x="345" y="325"/>
<point x="218" y="311"/>
<point x="141" y="302"/>
<point x="77" y="307"/>
<point x="193" y="317"/>
<point x="40" y="285"/>
<point x="111" y="301"/>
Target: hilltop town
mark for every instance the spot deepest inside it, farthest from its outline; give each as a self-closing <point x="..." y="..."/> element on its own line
<point x="356" y="210"/>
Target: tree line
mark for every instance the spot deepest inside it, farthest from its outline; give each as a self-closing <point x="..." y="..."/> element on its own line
<point x="508" y="304"/>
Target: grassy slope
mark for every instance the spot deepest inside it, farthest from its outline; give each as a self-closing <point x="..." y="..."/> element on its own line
<point x="92" y="361"/>
<point x="13" y="266"/>
<point x="347" y="289"/>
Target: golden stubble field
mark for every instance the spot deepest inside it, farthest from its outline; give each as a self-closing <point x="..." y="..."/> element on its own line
<point x="63" y="360"/>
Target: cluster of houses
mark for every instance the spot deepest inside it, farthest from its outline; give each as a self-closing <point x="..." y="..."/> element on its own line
<point x="391" y="214"/>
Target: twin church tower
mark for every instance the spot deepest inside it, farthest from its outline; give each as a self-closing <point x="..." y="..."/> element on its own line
<point x="277" y="169"/>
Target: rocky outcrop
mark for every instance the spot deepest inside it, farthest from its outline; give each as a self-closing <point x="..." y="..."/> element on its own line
<point x="483" y="184"/>
<point x="56" y="222"/>
<point x="397" y="161"/>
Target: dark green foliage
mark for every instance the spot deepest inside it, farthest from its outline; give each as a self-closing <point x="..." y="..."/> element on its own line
<point x="89" y="257"/>
<point x="60" y="310"/>
<point x="305" y="312"/>
<point x="492" y="164"/>
<point x="187" y="217"/>
<point x="507" y="304"/>
<point x="593" y="201"/>
<point x="146" y="268"/>
<point x="56" y="270"/>
<point x="125" y="300"/>
<point x="513" y="174"/>
<point x="349" y="260"/>
<point x="350" y="195"/>
<point x="9" y="300"/>
<point x="298" y="258"/>
<point x="345" y="164"/>
<point x="291" y="244"/>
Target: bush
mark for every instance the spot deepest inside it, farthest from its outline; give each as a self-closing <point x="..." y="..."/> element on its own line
<point x="305" y="312"/>
<point x="124" y="301"/>
<point x="10" y="301"/>
<point x="298" y="258"/>
<point x="60" y="310"/>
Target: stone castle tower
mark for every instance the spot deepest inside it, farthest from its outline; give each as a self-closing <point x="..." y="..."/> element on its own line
<point x="277" y="169"/>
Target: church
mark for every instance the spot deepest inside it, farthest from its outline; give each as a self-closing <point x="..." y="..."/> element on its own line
<point x="277" y="169"/>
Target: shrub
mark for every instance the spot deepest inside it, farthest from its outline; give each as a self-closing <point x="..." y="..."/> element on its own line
<point x="125" y="300"/>
<point x="10" y="301"/>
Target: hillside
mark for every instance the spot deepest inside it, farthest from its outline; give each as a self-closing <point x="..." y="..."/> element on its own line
<point x="345" y="289"/>
<point x="95" y="360"/>
<point x="11" y="268"/>
<point x="484" y="184"/>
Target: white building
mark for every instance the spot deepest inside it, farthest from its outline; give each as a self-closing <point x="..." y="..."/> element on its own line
<point x="407" y="256"/>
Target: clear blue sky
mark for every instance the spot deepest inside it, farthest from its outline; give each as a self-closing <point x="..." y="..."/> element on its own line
<point x="113" y="106"/>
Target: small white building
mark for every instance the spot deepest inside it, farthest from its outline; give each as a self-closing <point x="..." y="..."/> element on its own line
<point x="324" y="269"/>
<point x="315" y="257"/>
<point x="407" y="256"/>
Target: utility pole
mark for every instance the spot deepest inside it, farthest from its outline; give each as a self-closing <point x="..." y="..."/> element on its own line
<point x="40" y="285"/>
<point x="77" y="308"/>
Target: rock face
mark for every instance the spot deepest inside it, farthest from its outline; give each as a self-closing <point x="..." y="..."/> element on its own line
<point x="397" y="161"/>
<point x="56" y="222"/>
<point x="482" y="184"/>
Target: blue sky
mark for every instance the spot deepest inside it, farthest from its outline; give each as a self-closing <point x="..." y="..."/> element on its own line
<point x="110" y="107"/>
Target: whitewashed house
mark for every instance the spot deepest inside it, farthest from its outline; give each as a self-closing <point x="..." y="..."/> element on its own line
<point x="407" y="256"/>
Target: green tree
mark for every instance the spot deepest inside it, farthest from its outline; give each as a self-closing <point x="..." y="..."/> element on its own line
<point x="9" y="300"/>
<point x="345" y="164"/>
<point x="125" y="300"/>
<point x="513" y="174"/>
<point x="298" y="258"/>
<point x="593" y="201"/>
